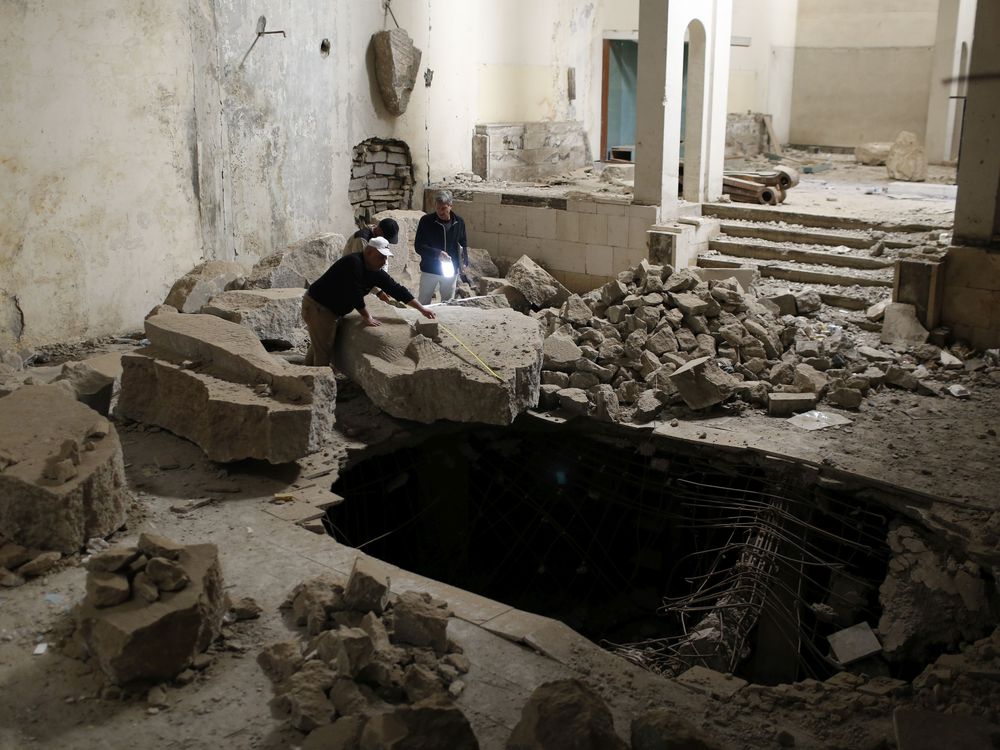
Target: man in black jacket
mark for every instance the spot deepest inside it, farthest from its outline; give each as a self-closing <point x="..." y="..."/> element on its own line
<point x="343" y="288"/>
<point x="388" y="228"/>
<point x="443" y="249"/>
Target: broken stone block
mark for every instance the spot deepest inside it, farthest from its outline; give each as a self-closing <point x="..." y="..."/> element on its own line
<point x="348" y="649"/>
<point x="112" y="560"/>
<point x="900" y="326"/>
<point x="421" y="726"/>
<point x="574" y="400"/>
<point x="13" y="556"/>
<point x="958" y="391"/>
<point x="666" y="729"/>
<point x="416" y="378"/>
<point x="906" y="159"/>
<point x="702" y="383"/>
<point x="560" y="353"/>
<point x="785" y="303"/>
<point x="107" y="589"/>
<point x="218" y="403"/>
<point x="201" y="283"/>
<point x="900" y="378"/>
<point x="876" y="312"/>
<point x="313" y="602"/>
<point x="295" y="267"/>
<point x="689" y="304"/>
<point x="343" y="734"/>
<point x="564" y="714"/>
<point x="872" y="154"/>
<point x="538" y="286"/>
<point x="367" y="588"/>
<point x="304" y="697"/>
<point x="397" y="61"/>
<point x="62" y="514"/>
<point x="418" y="621"/>
<point x="809" y="380"/>
<point x="854" y="643"/>
<point x="808" y="302"/>
<point x="421" y="683"/>
<point x="279" y="661"/>
<point x="845" y="398"/>
<point x="274" y="315"/>
<point x="662" y="341"/>
<point x="154" y="545"/>
<point x="166" y="574"/>
<point x="144" y="588"/>
<point x="151" y="642"/>
<point x="95" y="381"/>
<point x="789" y="404"/>
<point x="613" y="292"/>
<point x="39" y="565"/>
<point x="575" y="311"/>
<point x="9" y="580"/>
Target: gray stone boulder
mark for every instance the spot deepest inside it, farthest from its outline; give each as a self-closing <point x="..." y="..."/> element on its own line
<point x="274" y="315"/>
<point x="667" y="729"/>
<point x="297" y="266"/>
<point x="907" y="160"/>
<point x="212" y="382"/>
<point x="62" y="477"/>
<point x="428" y="726"/>
<point x="137" y="641"/>
<point x="538" y="286"/>
<point x="701" y="383"/>
<point x="200" y="284"/>
<point x="565" y="714"/>
<point x="413" y="377"/>
<point x="872" y="154"/>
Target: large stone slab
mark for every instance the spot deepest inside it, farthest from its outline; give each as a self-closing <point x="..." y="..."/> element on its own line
<point x="297" y="266"/>
<point x="538" y="286"/>
<point x="95" y="381"/>
<point x="413" y="377"/>
<point x="139" y="641"/>
<point x="55" y="491"/>
<point x="201" y="283"/>
<point x="907" y="160"/>
<point x="212" y="382"/>
<point x="274" y="315"/>
<point x="397" y="61"/>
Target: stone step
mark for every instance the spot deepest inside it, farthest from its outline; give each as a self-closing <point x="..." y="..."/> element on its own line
<point x="766" y="251"/>
<point x="766" y="214"/>
<point x="798" y="235"/>
<point x="801" y="272"/>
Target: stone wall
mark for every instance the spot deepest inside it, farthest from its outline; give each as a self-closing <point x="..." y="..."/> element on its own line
<point x="528" y="151"/>
<point x="381" y="177"/>
<point x="970" y="304"/>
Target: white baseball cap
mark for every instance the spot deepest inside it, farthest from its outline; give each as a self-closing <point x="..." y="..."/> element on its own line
<point x="381" y="244"/>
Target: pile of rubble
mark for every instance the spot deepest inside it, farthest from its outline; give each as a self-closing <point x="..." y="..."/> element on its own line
<point x="370" y="670"/>
<point x="150" y="610"/>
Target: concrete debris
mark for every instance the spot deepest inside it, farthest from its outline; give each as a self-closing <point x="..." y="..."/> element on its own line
<point x="854" y="643"/>
<point x="906" y="159"/>
<point x="712" y="682"/>
<point x="808" y="302"/>
<point x="295" y="267"/>
<point x="369" y="666"/>
<point x="701" y="383"/>
<point x="62" y="480"/>
<point x="667" y="729"/>
<point x="563" y="714"/>
<point x="212" y="382"/>
<point x="134" y="640"/>
<point x="872" y="154"/>
<point x="876" y="312"/>
<point x="201" y="283"/>
<point x="787" y="404"/>
<point x="901" y="327"/>
<point x="538" y="286"/>
<point x="930" y="599"/>
<point x="274" y="315"/>
<point x="397" y="61"/>
<point x="412" y="377"/>
<point x="959" y="391"/>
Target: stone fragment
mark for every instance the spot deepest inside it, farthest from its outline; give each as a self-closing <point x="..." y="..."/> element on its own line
<point x="151" y="642"/>
<point x="575" y="311"/>
<point x="246" y="608"/>
<point x="647" y="407"/>
<point x="295" y="267"/>
<point x="809" y="380"/>
<point x="166" y="574"/>
<point x="550" y="377"/>
<point x="57" y="515"/>
<point x="907" y="160"/>
<point x="201" y="283"/>
<point x="313" y="601"/>
<point x="681" y="281"/>
<point x="406" y="376"/>
<point x="667" y="729"/>
<point x="845" y="398"/>
<point x="421" y="683"/>
<point x="304" y="697"/>
<point x="349" y="649"/>
<point x="808" y="302"/>
<point x="13" y="556"/>
<point x="613" y="292"/>
<point x="107" y="589"/>
<point x="39" y="565"/>
<point x="95" y="381"/>
<point x="900" y="326"/>
<point x="854" y="643"/>
<point x="957" y="390"/>
<point x="876" y="312"/>
<point x="274" y="315"/>
<point x="560" y="353"/>
<point x="564" y="714"/>
<point x="397" y="61"/>
<point x="538" y="286"/>
<point x="112" y="560"/>
<point x="144" y="588"/>
<point x="872" y="154"/>
<point x="785" y="303"/>
<point x="788" y="404"/>
<point x="702" y="384"/>
<point x="900" y="378"/>
<point x="279" y="661"/>
<point x="430" y="726"/>
<point x="343" y="734"/>
<point x="367" y="588"/>
<point x="711" y="682"/>
<point x="949" y="361"/>
<point x="154" y="545"/>
<point x="574" y="400"/>
<point x="238" y="403"/>
<point x="606" y="406"/>
<point x="9" y="580"/>
<point x="875" y="355"/>
<point x="418" y="621"/>
<point x="689" y="304"/>
<point x="662" y="341"/>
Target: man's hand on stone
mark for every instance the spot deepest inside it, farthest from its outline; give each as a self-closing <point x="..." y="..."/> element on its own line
<point x="373" y="322"/>
<point x="427" y="313"/>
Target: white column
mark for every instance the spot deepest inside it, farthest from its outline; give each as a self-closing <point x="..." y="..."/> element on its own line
<point x="940" y="107"/>
<point x="719" y="54"/>
<point x="650" y="96"/>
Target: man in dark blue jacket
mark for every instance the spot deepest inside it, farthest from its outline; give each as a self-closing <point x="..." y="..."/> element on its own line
<point x="443" y="249"/>
<point x="343" y="288"/>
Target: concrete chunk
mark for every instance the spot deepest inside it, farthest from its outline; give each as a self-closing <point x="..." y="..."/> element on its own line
<point x="702" y="384"/>
<point x="788" y="404"/>
<point x="201" y="283"/>
<point x="58" y="514"/>
<point x="212" y="382"/>
<point x="413" y="377"/>
<point x="538" y="286"/>
<point x="854" y="643"/>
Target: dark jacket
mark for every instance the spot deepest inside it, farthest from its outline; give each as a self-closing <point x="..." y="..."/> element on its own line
<point x="433" y="236"/>
<point x="344" y="285"/>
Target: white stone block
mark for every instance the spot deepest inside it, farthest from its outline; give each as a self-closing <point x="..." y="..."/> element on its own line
<point x="637" y="228"/>
<point x="541" y="223"/>
<point x="599" y="260"/>
<point x="581" y="207"/>
<point x="611" y="208"/>
<point x="567" y="226"/>
<point x="594" y="229"/>
<point x="618" y="230"/>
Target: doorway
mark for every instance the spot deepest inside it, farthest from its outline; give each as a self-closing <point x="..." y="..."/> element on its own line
<point x="618" y="97"/>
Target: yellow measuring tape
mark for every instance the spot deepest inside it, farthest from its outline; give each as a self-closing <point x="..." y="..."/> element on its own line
<point x="480" y="361"/>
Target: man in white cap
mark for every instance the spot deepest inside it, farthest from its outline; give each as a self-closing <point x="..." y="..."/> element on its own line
<point x="343" y="288"/>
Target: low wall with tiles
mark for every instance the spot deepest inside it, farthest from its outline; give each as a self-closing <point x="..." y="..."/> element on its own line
<point x="583" y="243"/>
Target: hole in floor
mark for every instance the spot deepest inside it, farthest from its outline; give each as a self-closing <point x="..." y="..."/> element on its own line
<point x="668" y="559"/>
